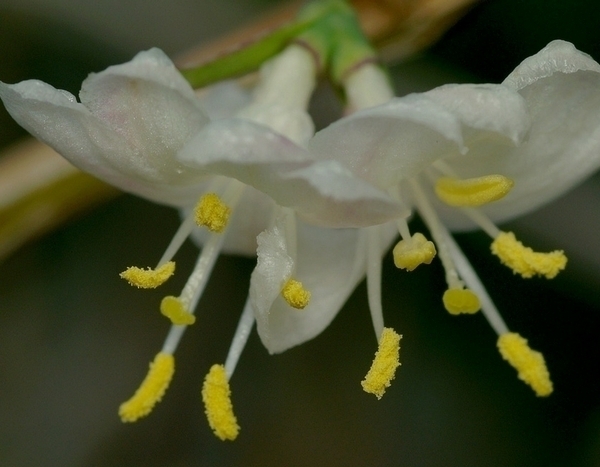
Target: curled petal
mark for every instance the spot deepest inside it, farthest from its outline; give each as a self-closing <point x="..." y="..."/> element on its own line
<point x="391" y="142"/>
<point x="561" y="89"/>
<point x="330" y="263"/>
<point x="325" y="193"/>
<point x="557" y="56"/>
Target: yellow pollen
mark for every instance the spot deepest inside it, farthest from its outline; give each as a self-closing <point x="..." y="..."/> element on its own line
<point x="151" y="390"/>
<point x="212" y="213"/>
<point x="457" y="301"/>
<point x="173" y="308"/>
<point x="472" y="191"/>
<point x="524" y="261"/>
<point x="217" y="404"/>
<point x="148" y="278"/>
<point x="295" y="294"/>
<point x="383" y="368"/>
<point x="408" y="254"/>
<point x="529" y="364"/>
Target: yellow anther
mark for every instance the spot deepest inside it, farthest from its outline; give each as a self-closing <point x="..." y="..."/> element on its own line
<point x="295" y="294"/>
<point x="457" y="301"/>
<point x="529" y="364"/>
<point x="173" y="309"/>
<point x="148" y="278"/>
<point x="217" y="404"/>
<point x="523" y="260"/>
<point x="151" y="390"/>
<point x="472" y="191"/>
<point x="408" y="254"/>
<point x="383" y="368"/>
<point x="212" y="213"/>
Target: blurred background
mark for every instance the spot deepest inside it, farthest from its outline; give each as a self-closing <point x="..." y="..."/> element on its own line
<point x="75" y="340"/>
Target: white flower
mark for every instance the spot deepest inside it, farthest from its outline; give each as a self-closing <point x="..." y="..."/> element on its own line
<point x="468" y="155"/>
<point x="141" y="127"/>
<point x="525" y="141"/>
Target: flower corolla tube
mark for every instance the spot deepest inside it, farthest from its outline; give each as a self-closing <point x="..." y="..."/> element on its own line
<point x="250" y="176"/>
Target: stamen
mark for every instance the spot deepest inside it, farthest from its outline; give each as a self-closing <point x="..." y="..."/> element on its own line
<point x="151" y="390"/>
<point x="295" y="294"/>
<point x="374" y="278"/>
<point x="473" y="191"/>
<point x="212" y="213"/>
<point x="383" y="368"/>
<point x="437" y="231"/>
<point x="410" y="253"/>
<point x="240" y="338"/>
<point x="148" y="278"/>
<point x="470" y="277"/>
<point x="192" y="291"/>
<point x="457" y="301"/>
<point x="174" y="309"/>
<point x="458" y="260"/>
<point x="524" y="261"/>
<point x="529" y="364"/>
<point x="217" y="403"/>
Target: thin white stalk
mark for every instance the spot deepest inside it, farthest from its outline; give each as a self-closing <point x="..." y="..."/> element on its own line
<point x="183" y="232"/>
<point x="374" y="279"/>
<point x="472" y="280"/>
<point x="240" y="338"/>
<point x="436" y="229"/>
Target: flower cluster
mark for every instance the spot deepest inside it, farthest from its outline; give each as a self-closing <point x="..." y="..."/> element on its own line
<point x="250" y="176"/>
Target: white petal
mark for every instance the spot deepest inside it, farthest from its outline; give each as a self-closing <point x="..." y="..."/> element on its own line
<point x="484" y="108"/>
<point x="150" y="104"/>
<point x="143" y="116"/>
<point x="330" y="264"/>
<point x="557" y="56"/>
<point x="273" y="269"/>
<point x="326" y="193"/>
<point x="562" y="146"/>
<point x="391" y="142"/>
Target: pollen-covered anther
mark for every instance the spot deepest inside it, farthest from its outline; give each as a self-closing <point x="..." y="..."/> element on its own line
<point x="410" y="253"/>
<point x="383" y="368"/>
<point x="524" y="261"/>
<point x="216" y="396"/>
<point x="472" y="191"/>
<point x="151" y="390"/>
<point x="174" y="309"/>
<point x="459" y="301"/>
<point x="295" y="294"/>
<point x="148" y="278"/>
<point x="530" y="364"/>
<point x="212" y="213"/>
